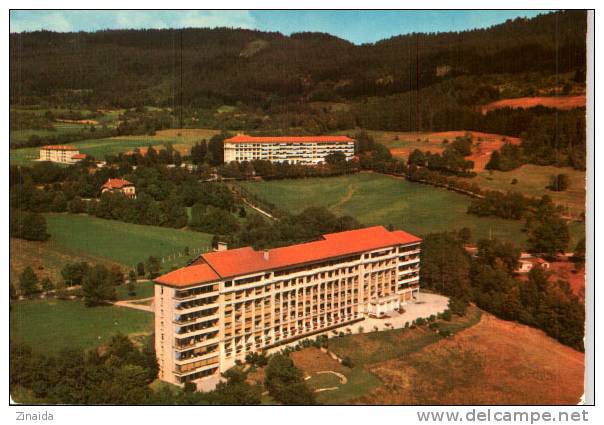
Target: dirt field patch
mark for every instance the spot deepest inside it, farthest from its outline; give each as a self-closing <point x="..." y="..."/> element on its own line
<point x="494" y="362"/>
<point x="312" y="360"/>
<point x="565" y="270"/>
<point x="402" y="144"/>
<point x="559" y="102"/>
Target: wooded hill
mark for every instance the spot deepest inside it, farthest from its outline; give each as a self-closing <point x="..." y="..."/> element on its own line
<point x="207" y="68"/>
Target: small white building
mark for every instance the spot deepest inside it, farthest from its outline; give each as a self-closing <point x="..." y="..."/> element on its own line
<point x="528" y="262"/>
<point x="61" y="154"/>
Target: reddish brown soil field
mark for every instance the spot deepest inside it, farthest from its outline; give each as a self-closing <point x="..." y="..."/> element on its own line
<point x="311" y="360"/>
<point x="495" y="362"/>
<point x="560" y="102"/>
<point x="484" y="144"/>
<point x="565" y="270"/>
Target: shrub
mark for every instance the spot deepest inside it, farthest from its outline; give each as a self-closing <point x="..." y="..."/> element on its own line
<point x="420" y="321"/>
<point x="347" y="361"/>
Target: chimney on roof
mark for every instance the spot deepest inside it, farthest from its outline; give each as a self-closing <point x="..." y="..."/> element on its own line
<point x="266" y="255"/>
<point x="221" y="246"/>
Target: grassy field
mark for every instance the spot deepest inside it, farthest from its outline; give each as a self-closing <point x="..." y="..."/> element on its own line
<point x="52" y="325"/>
<point x="532" y="181"/>
<point x="375" y="199"/>
<point x="365" y="350"/>
<point x="120" y="242"/>
<point x="374" y="347"/>
<point x="47" y="259"/>
<point x="142" y="289"/>
<point x="181" y="139"/>
<point x="494" y="362"/>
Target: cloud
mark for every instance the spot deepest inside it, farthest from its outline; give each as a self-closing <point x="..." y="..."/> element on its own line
<point x="88" y="20"/>
<point x="32" y="21"/>
<point x="212" y="18"/>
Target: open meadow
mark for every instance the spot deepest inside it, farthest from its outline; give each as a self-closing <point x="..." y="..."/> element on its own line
<point x="120" y="242"/>
<point x="494" y="362"/>
<point x="181" y="139"/>
<point x="486" y="361"/>
<point x="376" y="199"/>
<point x="50" y="325"/>
<point x="532" y="180"/>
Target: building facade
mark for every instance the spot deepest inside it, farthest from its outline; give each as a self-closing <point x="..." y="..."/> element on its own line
<point x="119" y="185"/>
<point x="306" y="150"/>
<point x="61" y="154"/>
<point x="229" y="303"/>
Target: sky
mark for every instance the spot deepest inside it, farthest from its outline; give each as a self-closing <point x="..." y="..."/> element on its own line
<point x="357" y="26"/>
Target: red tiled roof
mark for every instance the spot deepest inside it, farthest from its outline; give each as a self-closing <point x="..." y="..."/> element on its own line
<point x="234" y="262"/>
<point x="186" y="276"/>
<point x="59" y="148"/>
<point x="246" y="260"/>
<point x="116" y="183"/>
<point x="79" y="156"/>
<point x="242" y="138"/>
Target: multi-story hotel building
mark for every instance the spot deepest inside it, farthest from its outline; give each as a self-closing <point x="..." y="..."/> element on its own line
<point x="228" y="303"/>
<point x="308" y="150"/>
<point x="62" y="154"/>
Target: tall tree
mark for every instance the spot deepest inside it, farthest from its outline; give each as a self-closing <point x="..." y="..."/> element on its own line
<point x="28" y="282"/>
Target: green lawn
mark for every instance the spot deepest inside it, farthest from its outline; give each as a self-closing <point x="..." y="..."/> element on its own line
<point x="375" y="347"/>
<point x="142" y="289"/>
<point x="49" y="326"/>
<point x="121" y="242"/>
<point x="533" y="180"/>
<point x="182" y="139"/>
<point x="360" y="382"/>
<point x="95" y="147"/>
<point x="376" y="199"/>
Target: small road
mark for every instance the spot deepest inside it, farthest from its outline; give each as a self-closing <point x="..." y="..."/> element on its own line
<point x="261" y="211"/>
<point x="134" y="304"/>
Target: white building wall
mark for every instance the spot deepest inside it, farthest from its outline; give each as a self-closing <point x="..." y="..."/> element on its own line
<point x="296" y="153"/>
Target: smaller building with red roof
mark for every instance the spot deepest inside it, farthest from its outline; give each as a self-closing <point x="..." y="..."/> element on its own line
<point x="119" y="186"/>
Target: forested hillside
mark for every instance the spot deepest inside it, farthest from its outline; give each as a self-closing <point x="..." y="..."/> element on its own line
<point x="197" y="68"/>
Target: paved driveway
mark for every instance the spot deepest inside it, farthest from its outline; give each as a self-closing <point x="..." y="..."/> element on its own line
<point x="425" y="305"/>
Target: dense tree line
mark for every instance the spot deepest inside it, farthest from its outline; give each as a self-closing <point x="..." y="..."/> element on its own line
<point x="489" y="281"/>
<point x="549" y="137"/>
<point x="27" y="225"/>
<point x="547" y="230"/>
<point x="119" y="373"/>
<point x="162" y="193"/>
<point x="451" y="161"/>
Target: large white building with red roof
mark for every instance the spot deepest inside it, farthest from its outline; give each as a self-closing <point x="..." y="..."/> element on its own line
<point x="62" y="154"/>
<point x="229" y="303"/>
<point x="306" y="150"/>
